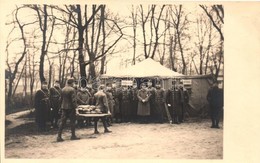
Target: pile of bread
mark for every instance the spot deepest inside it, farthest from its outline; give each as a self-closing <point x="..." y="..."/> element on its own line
<point x="88" y="109"/>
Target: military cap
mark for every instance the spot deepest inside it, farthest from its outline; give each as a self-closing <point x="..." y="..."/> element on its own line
<point x="70" y="81"/>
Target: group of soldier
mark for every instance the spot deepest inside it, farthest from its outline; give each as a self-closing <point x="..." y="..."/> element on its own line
<point x="148" y="104"/>
<point x="57" y="105"/>
<point x="124" y="103"/>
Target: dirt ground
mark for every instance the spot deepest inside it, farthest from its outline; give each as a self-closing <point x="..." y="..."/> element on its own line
<point x="193" y="139"/>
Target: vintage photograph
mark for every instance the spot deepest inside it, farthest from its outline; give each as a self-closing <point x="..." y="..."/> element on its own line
<point x="105" y="81"/>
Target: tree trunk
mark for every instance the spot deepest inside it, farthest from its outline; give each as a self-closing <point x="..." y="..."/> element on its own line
<point x="102" y="21"/>
<point x="82" y="65"/>
<point x="43" y="50"/>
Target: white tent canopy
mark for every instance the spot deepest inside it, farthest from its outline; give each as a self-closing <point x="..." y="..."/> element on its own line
<point x="146" y="68"/>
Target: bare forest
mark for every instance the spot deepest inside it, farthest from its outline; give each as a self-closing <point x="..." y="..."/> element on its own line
<point x="50" y="42"/>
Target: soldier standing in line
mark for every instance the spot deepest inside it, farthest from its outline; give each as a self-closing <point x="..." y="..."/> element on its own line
<point x="184" y="101"/>
<point x="102" y="104"/>
<point x="126" y="107"/>
<point x="152" y="90"/>
<point x="55" y="100"/>
<point x="159" y="103"/>
<point x="117" y="94"/>
<point x="68" y="107"/>
<point x="134" y="102"/>
<point x="42" y="106"/>
<point x="92" y="92"/>
<point x="174" y="101"/>
<point x="143" y="110"/>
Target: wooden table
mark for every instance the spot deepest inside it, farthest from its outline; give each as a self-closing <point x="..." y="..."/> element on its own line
<point x="93" y="115"/>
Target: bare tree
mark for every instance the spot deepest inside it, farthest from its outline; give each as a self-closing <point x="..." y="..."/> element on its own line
<point x="204" y="36"/>
<point x="215" y="14"/>
<point x="151" y="47"/>
<point x="13" y="73"/>
<point x="134" y="21"/>
<point x="180" y="22"/>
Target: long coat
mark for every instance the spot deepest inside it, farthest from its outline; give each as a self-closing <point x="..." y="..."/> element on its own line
<point x="134" y="101"/>
<point x="126" y="107"/>
<point x="159" y="102"/>
<point x="117" y="93"/>
<point x="152" y="100"/>
<point x="143" y="103"/>
<point x="175" y="98"/>
<point x="42" y="106"/>
<point x="215" y="98"/>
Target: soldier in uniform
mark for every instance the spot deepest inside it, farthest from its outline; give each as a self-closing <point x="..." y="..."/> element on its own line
<point x="174" y="101"/>
<point x="159" y="103"/>
<point x="215" y="99"/>
<point x="184" y="101"/>
<point x="68" y="107"/>
<point x="126" y="107"/>
<point x="92" y="92"/>
<point x="111" y="104"/>
<point x="83" y="97"/>
<point x="117" y="94"/>
<point x="55" y="100"/>
<point x="102" y="104"/>
<point x="143" y="110"/>
<point x="42" y="106"/>
<point x="152" y="90"/>
<point x="134" y="102"/>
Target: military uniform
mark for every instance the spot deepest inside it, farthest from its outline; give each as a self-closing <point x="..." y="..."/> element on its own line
<point x="42" y="108"/>
<point x="68" y="106"/>
<point x="174" y="96"/>
<point x="152" y="101"/>
<point x="55" y="100"/>
<point x="143" y="103"/>
<point x="184" y="101"/>
<point x="126" y="107"/>
<point x="134" y="102"/>
<point x="102" y="104"/>
<point x="83" y="98"/>
<point x="159" y="105"/>
<point x="117" y="93"/>
<point x="215" y="99"/>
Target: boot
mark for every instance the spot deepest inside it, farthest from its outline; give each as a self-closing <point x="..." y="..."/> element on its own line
<point x="73" y="134"/>
<point x="217" y="122"/>
<point x="59" y="138"/>
<point x="107" y="131"/>
<point x="74" y="137"/>
<point x="213" y="123"/>
<point x="96" y="130"/>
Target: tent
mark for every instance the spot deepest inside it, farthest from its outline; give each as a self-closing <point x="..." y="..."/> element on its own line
<point x="148" y="68"/>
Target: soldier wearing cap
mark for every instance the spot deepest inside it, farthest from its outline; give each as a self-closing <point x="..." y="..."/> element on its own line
<point x="68" y="106"/>
<point x="134" y="102"/>
<point x="42" y="106"/>
<point x="152" y="90"/>
<point x="143" y="110"/>
<point x="159" y="103"/>
<point x="55" y="100"/>
<point x="174" y="102"/>
<point x="215" y="99"/>
<point x="117" y="94"/>
<point x="102" y="104"/>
